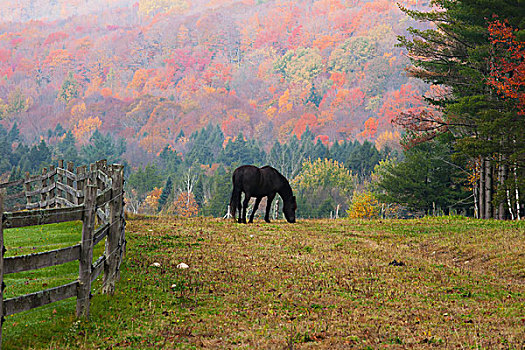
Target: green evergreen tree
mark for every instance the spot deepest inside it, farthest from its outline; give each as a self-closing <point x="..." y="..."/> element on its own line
<point x="103" y="147"/>
<point x="166" y="191"/>
<point x="240" y="151"/>
<point x="14" y="134"/>
<point x="170" y="160"/>
<point x="426" y="180"/>
<point x="320" y="151"/>
<point x="198" y="191"/>
<point x="221" y="187"/>
<point x="458" y="54"/>
<point x="67" y="149"/>
<point x="39" y="156"/>
<point x="363" y="158"/>
<point x="145" y="179"/>
<point x="205" y="145"/>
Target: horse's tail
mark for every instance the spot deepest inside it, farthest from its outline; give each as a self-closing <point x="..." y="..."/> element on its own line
<point x="233" y="204"/>
<point x="236" y="195"/>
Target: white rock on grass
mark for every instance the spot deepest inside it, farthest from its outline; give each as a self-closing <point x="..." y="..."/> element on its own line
<point x="182" y="266"/>
<point x="155" y="264"/>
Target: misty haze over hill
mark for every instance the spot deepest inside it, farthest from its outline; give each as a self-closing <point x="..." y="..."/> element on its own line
<point x="150" y="70"/>
<point x="49" y="10"/>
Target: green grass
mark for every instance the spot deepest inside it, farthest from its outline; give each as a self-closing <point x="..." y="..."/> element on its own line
<point x="35" y="239"/>
<point x="319" y="283"/>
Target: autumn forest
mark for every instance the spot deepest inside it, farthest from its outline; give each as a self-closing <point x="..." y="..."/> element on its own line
<point x="369" y="107"/>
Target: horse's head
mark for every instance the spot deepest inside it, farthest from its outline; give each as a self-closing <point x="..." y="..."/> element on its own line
<point x="289" y="208"/>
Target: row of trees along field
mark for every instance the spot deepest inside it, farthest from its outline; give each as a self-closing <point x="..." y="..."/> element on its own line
<point x="198" y="180"/>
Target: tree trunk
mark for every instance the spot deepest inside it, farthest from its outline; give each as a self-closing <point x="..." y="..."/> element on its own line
<point x="475" y="196"/>
<point x="488" y="189"/>
<point x="518" y="217"/>
<point x="501" y="184"/>
<point x="481" y="189"/>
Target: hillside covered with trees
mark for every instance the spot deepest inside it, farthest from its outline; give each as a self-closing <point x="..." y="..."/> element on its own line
<point x="326" y="91"/>
<point x="148" y="70"/>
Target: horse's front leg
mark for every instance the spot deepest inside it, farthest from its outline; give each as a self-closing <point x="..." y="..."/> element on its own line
<point x="268" y="207"/>
<point x="255" y="206"/>
<point x="242" y="219"/>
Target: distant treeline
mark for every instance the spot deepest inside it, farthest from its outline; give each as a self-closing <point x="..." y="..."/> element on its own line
<point x="201" y="171"/>
<point x="199" y="181"/>
<point x="17" y="157"/>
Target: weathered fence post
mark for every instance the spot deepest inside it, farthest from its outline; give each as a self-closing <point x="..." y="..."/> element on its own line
<point x="51" y="196"/>
<point x="60" y="179"/>
<point x="2" y="192"/>
<point x="122" y="222"/>
<point x="86" y="249"/>
<point x="113" y="240"/>
<point x="27" y="189"/>
<point x="43" y="194"/>
<point x="81" y="183"/>
<point x="71" y="170"/>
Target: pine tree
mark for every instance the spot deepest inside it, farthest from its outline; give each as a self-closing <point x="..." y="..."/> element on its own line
<point x="198" y="192"/>
<point x="221" y="188"/>
<point x="426" y="180"/>
<point x="166" y="191"/>
<point x="14" y="134"/>
<point x="103" y="147"/>
<point x="67" y="150"/>
<point x="458" y="54"/>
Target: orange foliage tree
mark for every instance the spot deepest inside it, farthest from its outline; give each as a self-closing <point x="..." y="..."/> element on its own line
<point x="370" y="128"/>
<point x="185" y="205"/>
<point x="151" y="203"/>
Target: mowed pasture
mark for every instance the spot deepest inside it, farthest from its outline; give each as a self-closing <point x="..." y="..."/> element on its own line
<point x="455" y="283"/>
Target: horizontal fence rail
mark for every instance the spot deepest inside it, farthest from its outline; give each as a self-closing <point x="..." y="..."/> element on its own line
<point x="42" y="216"/>
<point x="41" y="260"/>
<point x="92" y="195"/>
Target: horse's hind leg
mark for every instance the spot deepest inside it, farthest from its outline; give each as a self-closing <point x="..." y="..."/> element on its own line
<point x="242" y="218"/>
<point x="268" y="207"/>
<point x="235" y="203"/>
<point x="255" y="206"/>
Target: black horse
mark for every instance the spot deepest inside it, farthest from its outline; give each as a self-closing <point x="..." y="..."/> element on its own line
<point x="260" y="182"/>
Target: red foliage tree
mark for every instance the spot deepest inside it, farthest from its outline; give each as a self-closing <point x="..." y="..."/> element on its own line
<point x="508" y="69"/>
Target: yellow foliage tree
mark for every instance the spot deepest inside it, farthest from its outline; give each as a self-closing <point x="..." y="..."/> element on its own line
<point x="139" y="80"/>
<point x="149" y="7"/>
<point x="325" y="173"/>
<point x="16" y="103"/>
<point x="3" y="109"/>
<point x="285" y="104"/>
<point x="325" y="179"/>
<point x="85" y="128"/>
<point x="389" y="139"/>
<point x="364" y="205"/>
<point x="78" y="112"/>
<point x="151" y="202"/>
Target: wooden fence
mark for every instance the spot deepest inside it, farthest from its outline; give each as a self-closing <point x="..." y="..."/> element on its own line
<point x="60" y="194"/>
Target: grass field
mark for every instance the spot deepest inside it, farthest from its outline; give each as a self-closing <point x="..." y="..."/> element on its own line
<point x="456" y="283"/>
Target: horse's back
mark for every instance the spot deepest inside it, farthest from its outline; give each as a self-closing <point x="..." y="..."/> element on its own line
<point x="245" y="174"/>
<point x="245" y="171"/>
<point x="257" y="181"/>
